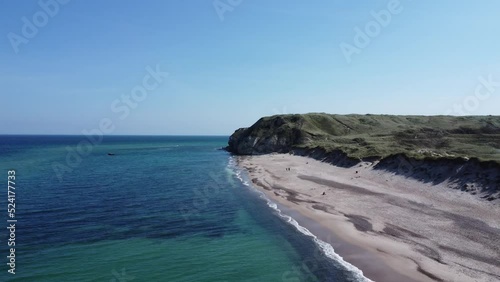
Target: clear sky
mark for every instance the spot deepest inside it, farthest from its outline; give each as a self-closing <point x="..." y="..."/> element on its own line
<point x="232" y="61"/>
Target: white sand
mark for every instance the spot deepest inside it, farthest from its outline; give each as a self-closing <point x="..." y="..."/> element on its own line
<point x="392" y="228"/>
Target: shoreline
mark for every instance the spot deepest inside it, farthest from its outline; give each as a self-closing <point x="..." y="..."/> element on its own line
<point x="351" y="254"/>
<point x="391" y="228"/>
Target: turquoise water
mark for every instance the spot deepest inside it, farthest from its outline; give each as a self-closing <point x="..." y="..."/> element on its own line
<point x="138" y="208"/>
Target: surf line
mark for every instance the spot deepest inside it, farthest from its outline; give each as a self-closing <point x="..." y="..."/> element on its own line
<point x="326" y="248"/>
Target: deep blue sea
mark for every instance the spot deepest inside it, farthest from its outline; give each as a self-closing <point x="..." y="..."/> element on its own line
<point x="146" y="208"/>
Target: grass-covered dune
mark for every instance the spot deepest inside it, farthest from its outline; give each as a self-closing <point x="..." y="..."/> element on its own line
<point x="463" y="152"/>
<point x="374" y="136"/>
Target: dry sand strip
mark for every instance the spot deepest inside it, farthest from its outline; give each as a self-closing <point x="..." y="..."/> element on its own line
<point x="392" y="228"/>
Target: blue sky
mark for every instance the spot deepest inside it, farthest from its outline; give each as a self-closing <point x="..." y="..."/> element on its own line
<point x="260" y="58"/>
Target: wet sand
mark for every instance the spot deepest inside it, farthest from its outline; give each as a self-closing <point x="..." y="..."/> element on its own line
<point x="392" y="228"/>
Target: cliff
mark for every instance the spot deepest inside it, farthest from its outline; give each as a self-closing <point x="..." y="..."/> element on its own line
<point x="464" y="151"/>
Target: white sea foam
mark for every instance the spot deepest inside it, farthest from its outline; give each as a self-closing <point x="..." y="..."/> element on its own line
<point x="325" y="247"/>
<point x="237" y="172"/>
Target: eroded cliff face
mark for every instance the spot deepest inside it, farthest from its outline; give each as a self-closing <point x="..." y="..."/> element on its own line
<point x="243" y="144"/>
<point x="471" y="176"/>
<point x="277" y="135"/>
<point x="264" y="137"/>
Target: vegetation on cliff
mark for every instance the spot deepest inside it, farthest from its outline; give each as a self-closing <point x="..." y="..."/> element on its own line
<point x="373" y="136"/>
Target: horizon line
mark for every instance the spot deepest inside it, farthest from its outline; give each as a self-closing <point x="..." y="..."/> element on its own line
<point x="108" y="135"/>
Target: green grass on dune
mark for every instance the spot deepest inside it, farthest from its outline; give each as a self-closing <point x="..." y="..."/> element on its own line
<point x="362" y="136"/>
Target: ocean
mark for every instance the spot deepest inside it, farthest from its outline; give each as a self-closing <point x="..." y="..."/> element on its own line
<point x="147" y="208"/>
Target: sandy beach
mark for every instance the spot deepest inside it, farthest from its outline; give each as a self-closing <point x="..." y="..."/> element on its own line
<point x="390" y="227"/>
